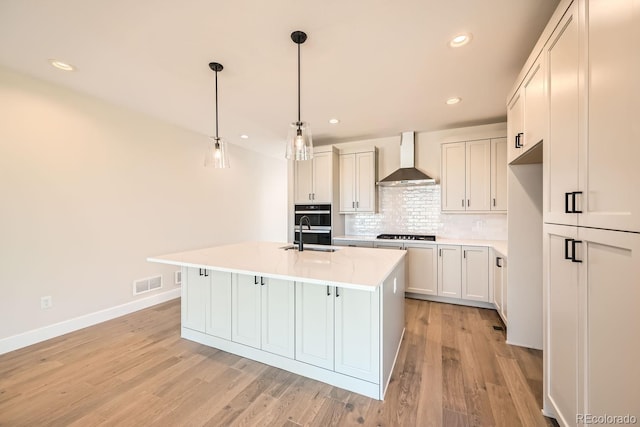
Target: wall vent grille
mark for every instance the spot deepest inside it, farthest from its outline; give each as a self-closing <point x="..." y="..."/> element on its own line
<point x="147" y="284"/>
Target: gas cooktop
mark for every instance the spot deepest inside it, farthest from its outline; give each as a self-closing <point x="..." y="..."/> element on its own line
<point x="430" y="238"/>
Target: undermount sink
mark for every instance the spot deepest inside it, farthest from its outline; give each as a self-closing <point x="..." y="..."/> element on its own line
<point x="309" y="248"/>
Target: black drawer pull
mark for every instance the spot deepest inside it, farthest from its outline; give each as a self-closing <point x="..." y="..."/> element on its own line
<point x="498" y="262"/>
<point x="573" y="202"/>
<point x="573" y="250"/>
<point x="566" y="249"/>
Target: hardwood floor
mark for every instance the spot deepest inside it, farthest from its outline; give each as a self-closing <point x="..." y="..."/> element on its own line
<point x="453" y="369"/>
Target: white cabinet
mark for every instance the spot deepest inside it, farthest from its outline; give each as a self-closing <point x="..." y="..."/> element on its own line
<point x="206" y="301"/>
<point x="263" y="313"/>
<point x="358" y="182"/>
<point x="500" y="284"/>
<point x="591" y="168"/>
<point x="314" y="324"/>
<point x="245" y="310"/>
<point x="338" y="329"/>
<point x="499" y="174"/>
<point x="475" y="273"/>
<point x="592" y="322"/>
<point x="466" y="176"/>
<point x="526" y="113"/>
<point x="449" y="271"/>
<point x="357" y="335"/>
<point x="314" y="179"/>
<point x="278" y="316"/>
<point x="422" y="268"/>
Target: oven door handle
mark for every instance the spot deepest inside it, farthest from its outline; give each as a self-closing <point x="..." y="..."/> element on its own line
<point x="314" y="231"/>
<point x="312" y="212"/>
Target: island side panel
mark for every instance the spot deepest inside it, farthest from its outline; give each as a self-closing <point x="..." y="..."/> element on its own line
<point x="392" y="321"/>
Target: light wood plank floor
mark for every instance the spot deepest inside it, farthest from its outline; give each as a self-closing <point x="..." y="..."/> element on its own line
<point x="454" y="369"/>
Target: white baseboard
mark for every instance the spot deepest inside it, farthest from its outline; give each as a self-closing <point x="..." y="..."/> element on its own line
<point x="34" y="336"/>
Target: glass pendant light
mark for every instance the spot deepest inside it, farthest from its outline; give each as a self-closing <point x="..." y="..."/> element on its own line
<point x="299" y="144"/>
<point x="216" y="155"/>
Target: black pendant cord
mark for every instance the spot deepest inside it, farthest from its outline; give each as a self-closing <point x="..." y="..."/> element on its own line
<point x="217" y="138"/>
<point x="298" y="85"/>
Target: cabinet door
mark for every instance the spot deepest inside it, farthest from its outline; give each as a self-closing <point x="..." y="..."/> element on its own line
<point x="303" y="181"/>
<point x="610" y="272"/>
<point x="453" y="177"/>
<point x="478" y="175"/>
<point x="449" y="271"/>
<point x="499" y="174"/>
<point x="218" y="313"/>
<point x="366" y="182"/>
<point x="561" y="349"/>
<point x="475" y="273"/>
<point x="315" y="324"/>
<point x="561" y="151"/>
<point x="422" y="269"/>
<point x="609" y="159"/>
<point x="195" y="292"/>
<point x="348" y="183"/>
<point x="278" y="317"/>
<point x="322" y="178"/>
<point x="497" y="262"/>
<point x="535" y="107"/>
<point x="515" y="127"/>
<point x="357" y="333"/>
<point x="246" y="310"/>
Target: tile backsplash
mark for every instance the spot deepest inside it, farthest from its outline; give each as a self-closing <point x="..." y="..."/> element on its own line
<point x="416" y="210"/>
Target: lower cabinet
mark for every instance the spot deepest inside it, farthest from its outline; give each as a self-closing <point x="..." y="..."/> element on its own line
<point x="500" y="285"/>
<point x="263" y="313"/>
<point x="592" y="323"/>
<point x="475" y="273"/>
<point x="338" y="329"/>
<point x="206" y="302"/>
<point x="422" y="268"/>
<point x="449" y="271"/>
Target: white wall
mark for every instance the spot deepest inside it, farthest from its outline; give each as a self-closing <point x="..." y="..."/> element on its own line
<point x="89" y="190"/>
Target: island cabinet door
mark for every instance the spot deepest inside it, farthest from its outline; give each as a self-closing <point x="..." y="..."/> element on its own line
<point x="357" y="333"/>
<point x="218" y="311"/>
<point x="245" y="309"/>
<point x="278" y="317"/>
<point x="315" y="324"/>
<point x="195" y="291"/>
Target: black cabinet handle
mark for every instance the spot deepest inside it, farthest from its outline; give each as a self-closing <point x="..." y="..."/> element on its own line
<point x="518" y="142"/>
<point x="262" y="281"/>
<point x="498" y="262"/>
<point x="566" y="203"/>
<point x="494" y="202"/>
<point x="463" y="203"/>
<point x="328" y="291"/>
<point x="440" y="252"/>
<point x="566" y="249"/>
<point x="255" y="280"/>
<point x="205" y="273"/>
<point x="337" y="292"/>
<point x="573" y="250"/>
<point x="468" y="202"/>
<point x="573" y="201"/>
<point x="464" y="254"/>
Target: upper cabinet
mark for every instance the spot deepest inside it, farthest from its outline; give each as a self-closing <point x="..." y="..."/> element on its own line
<point x="590" y="169"/>
<point x="526" y="115"/>
<point x="474" y="176"/>
<point x="358" y="182"/>
<point x="314" y="178"/>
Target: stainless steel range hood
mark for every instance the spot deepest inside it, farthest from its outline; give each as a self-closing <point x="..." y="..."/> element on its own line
<point x="407" y="175"/>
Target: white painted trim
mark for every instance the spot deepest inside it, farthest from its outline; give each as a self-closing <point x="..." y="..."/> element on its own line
<point x="34" y="336"/>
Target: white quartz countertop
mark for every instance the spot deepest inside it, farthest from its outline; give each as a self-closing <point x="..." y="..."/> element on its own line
<point x="498" y="245"/>
<point x="356" y="268"/>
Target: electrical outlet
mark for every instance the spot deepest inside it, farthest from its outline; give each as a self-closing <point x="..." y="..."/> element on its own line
<point x="46" y="302"/>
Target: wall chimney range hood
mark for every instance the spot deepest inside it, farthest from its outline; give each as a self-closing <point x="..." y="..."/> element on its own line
<point x="407" y="175"/>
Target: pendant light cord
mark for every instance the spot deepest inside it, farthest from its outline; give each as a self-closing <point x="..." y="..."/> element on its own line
<point x="217" y="106"/>
<point x="298" y="84"/>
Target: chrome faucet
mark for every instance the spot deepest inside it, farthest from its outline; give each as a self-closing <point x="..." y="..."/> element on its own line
<point x="304" y="217"/>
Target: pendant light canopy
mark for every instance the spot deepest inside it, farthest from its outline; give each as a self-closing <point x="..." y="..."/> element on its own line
<point x="216" y="156"/>
<point x="299" y="144"/>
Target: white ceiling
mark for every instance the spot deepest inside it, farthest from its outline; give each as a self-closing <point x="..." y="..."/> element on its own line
<point x="380" y="66"/>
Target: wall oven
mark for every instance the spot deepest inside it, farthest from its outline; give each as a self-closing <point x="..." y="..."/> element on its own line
<point x="320" y="220"/>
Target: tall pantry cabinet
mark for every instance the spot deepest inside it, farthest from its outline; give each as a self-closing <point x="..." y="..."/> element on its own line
<point x="592" y="213"/>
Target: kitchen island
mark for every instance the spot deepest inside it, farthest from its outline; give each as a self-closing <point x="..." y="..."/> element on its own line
<point x="332" y="314"/>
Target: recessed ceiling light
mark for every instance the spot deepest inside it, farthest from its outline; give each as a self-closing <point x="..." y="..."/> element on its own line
<point x="334" y="121"/>
<point x="243" y="136"/>
<point x="460" y="40"/>
<point x="61" y="65"/>
<point x="454" y="100"/>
